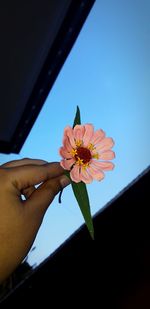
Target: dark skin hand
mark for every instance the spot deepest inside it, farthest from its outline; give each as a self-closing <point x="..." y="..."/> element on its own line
<point x="20" y="219"/>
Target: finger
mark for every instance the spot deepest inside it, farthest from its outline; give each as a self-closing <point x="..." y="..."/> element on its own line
<point x="26" y="176"/>
<point x="44" y="195"/>
<point x="21" y="162"/>
<point x="27" y="192"/>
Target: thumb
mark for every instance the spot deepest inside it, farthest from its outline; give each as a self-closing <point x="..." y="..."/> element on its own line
<point x="42" y="197"/>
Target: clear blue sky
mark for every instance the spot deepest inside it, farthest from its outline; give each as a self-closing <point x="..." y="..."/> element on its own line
<point x="107" y="74"/>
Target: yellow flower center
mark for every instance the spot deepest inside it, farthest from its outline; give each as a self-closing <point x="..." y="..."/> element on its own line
<point x="73" y="152"/>
<point x="91" y="147"/>
<point x="78" y="143"/>
<point x="96" y="156"/>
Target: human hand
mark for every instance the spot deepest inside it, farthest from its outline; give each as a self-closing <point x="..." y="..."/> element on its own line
<point x="21" y="219"/>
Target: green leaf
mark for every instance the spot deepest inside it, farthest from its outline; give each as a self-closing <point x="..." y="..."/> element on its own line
<point x="81" y="195"/>
<point x="80" y="190"/>
<point x="77" y="119"/>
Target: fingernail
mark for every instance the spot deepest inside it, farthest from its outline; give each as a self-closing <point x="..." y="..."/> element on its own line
<point x="44" y="162"/>
<point x="65" y="181"/>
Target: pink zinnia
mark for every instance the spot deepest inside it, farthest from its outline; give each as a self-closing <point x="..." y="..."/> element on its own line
<point x="86" y="153"/>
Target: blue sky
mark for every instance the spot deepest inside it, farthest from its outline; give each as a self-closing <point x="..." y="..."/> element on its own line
<point x="107" y="74"/>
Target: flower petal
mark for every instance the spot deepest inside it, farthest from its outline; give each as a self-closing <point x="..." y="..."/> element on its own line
<point x="107" y="155"/>
<point x="105" y="144"/>
<point x="89" y="131"/>
<point x="68" y="131"/>
<point x="66" y="164"/>
<point x="74" y="174"/>
<point x="64" y="153"/>
<point x="105" y="166"/>
<point x="78" y="132"/>
<point x="85" y="176"/>
<point x="66" y="143"/>
<point x="97" y="137"/>
<point x="96" y="173"/>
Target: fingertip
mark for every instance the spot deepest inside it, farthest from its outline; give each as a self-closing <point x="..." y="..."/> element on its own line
<point x="64" y="181"/>
<point x="40" y="162"/>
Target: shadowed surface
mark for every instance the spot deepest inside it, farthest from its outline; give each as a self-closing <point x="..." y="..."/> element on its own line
<point x="112" y="271"/>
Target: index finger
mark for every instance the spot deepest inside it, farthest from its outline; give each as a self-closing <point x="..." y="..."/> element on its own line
<point x="28" y="175"/>
<point x="21" y="162"/>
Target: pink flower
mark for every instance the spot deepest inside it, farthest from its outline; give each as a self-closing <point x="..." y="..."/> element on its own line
<point x="86" y="153"/>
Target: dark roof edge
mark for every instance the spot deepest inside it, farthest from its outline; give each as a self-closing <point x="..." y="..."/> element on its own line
<point x="72" y="25"/>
